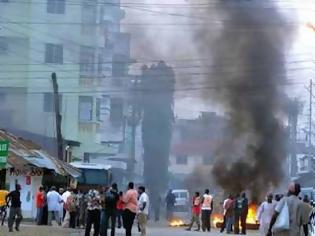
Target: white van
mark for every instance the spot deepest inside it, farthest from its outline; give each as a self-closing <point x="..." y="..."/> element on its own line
<point x="182" y="200"/>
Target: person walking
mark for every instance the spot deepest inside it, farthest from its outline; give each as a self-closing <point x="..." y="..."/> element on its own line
<point x="120" y="209"/>
<point x="296" y="213"/>
<point x="15" y="213"/>
<point x="53" y="201"/>
<point x="40" y="203"/>
<point x="206" y="210"/>
<point x="93" y="212"/>
<point x="131" y="203"/>
<point x="241" y="212"/>
<point x="143" y="210"/>
<point x="111" y="199"/>
<point x="170" y="204"/>
<point x="196" y="209"/>
<point x="265" y="213"/>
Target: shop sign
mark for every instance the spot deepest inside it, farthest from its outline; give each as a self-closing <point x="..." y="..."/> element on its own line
<point x="4" y="149"/>
<point x="26" y="172"/>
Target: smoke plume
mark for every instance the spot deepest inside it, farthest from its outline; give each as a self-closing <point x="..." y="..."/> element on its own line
<point x="248" y="67"/>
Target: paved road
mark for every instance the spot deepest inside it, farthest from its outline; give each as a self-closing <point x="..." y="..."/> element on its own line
<point x="31" y="230"/>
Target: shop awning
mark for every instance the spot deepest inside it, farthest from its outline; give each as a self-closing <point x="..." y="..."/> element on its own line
<point x="23" y="153"/>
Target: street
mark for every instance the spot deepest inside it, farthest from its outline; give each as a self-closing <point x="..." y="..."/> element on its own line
<point x="32" y="230"/>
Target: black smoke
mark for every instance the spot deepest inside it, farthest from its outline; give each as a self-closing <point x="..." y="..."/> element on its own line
<point x="249" y="86"/>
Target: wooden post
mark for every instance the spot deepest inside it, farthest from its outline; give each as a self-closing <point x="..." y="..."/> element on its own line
<point x="57" y="117"/>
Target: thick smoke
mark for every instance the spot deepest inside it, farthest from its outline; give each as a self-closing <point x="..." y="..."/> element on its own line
<point x="249" y="67"/>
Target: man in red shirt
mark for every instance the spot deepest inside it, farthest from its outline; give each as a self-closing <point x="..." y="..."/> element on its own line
<point x="196" y="209"/>
<point x="40" y="202"/>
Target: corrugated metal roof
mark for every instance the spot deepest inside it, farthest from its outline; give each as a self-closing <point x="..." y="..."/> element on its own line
<point x="26" y="153"/>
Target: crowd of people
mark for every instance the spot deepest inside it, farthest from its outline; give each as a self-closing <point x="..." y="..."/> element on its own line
<point x="97" y="208"/>
<point x="235" y="211"/>
<point x="270" y="214"/>
<point x="102" y="208"/>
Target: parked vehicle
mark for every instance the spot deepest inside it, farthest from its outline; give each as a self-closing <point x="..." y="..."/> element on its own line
<point x="182" y="200"/>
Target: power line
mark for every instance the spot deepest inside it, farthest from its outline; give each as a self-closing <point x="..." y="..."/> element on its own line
<point x="247" y="87"/>
<point x="173" y="67"/>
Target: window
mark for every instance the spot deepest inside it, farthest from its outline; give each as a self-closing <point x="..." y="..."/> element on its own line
<point x="98" y="109"/>
<point x="85" y="108"/>
<point x="116" y="111"/>
<point x="49" y="105"/>
<point x="100" y="63"/>
<point x="54" y="53"/>
<point x="89" y="12"/>
<point x="303" y="164"/>
<point x="87" y="59"/>
<point x="56" y="6"/>
<point x="4" y="45"/>
<point x="182" y="160"/>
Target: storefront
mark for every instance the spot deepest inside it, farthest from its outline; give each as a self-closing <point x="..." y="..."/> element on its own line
<point x="29" y="166"/>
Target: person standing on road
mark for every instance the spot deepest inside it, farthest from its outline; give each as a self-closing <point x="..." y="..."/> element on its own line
<point x="66" y="214"/>
<point x="143" y="210"/>
<point x="131" y="203"/>
<point x="93" y="212"/>
<point x="15" y="213"/>
<point x="71" y="207"/>
<point x="241" y="212"/>
<point x="206" y="210"/>
<point x="196" y="209"/>
<point x="53" y="201"/>
<point x="170" y="204"/>
<point x="224" y="214"/>
<point x="229" y="214"/>
<point x="296" y="213"/>
<point x="265" y="213"/>
<point x="156" y="204"/>
<point x="307" y="209"/>
<point x="40" y="203"/>
<point x="3" y="203"/>
<point x="120" y="209"/>
<point x="111" y="199"/>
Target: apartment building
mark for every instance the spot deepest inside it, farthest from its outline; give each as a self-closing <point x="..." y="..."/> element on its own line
<point x="82" y="43"/>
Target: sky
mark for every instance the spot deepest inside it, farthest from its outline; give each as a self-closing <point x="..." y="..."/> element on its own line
<point x="166" y="32"/>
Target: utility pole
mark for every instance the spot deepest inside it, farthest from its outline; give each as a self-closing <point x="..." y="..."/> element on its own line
<point x="311" y="113"/>
<point x="57" y="116"/>
<point x="133" y="122"/>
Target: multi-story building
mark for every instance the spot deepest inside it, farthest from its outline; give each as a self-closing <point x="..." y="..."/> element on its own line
<point x="82" y="42"/>
<point x="194" y="144"/>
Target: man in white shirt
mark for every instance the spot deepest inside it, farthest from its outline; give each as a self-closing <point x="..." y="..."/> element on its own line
<point x="206" y="210"/>
<point x="143" y="210"/>
<point x="53" y="202"/>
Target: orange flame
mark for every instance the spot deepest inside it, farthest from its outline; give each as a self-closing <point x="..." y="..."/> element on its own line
<point x="252" y="214"/>
<point x="176" y="223"/>
<point x="251" y="217"/>
<point x="216" y="218"/>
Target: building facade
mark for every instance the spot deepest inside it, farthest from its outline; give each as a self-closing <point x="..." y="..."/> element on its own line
<point x="82" y="43"/>
<point x="194" y="144"/>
